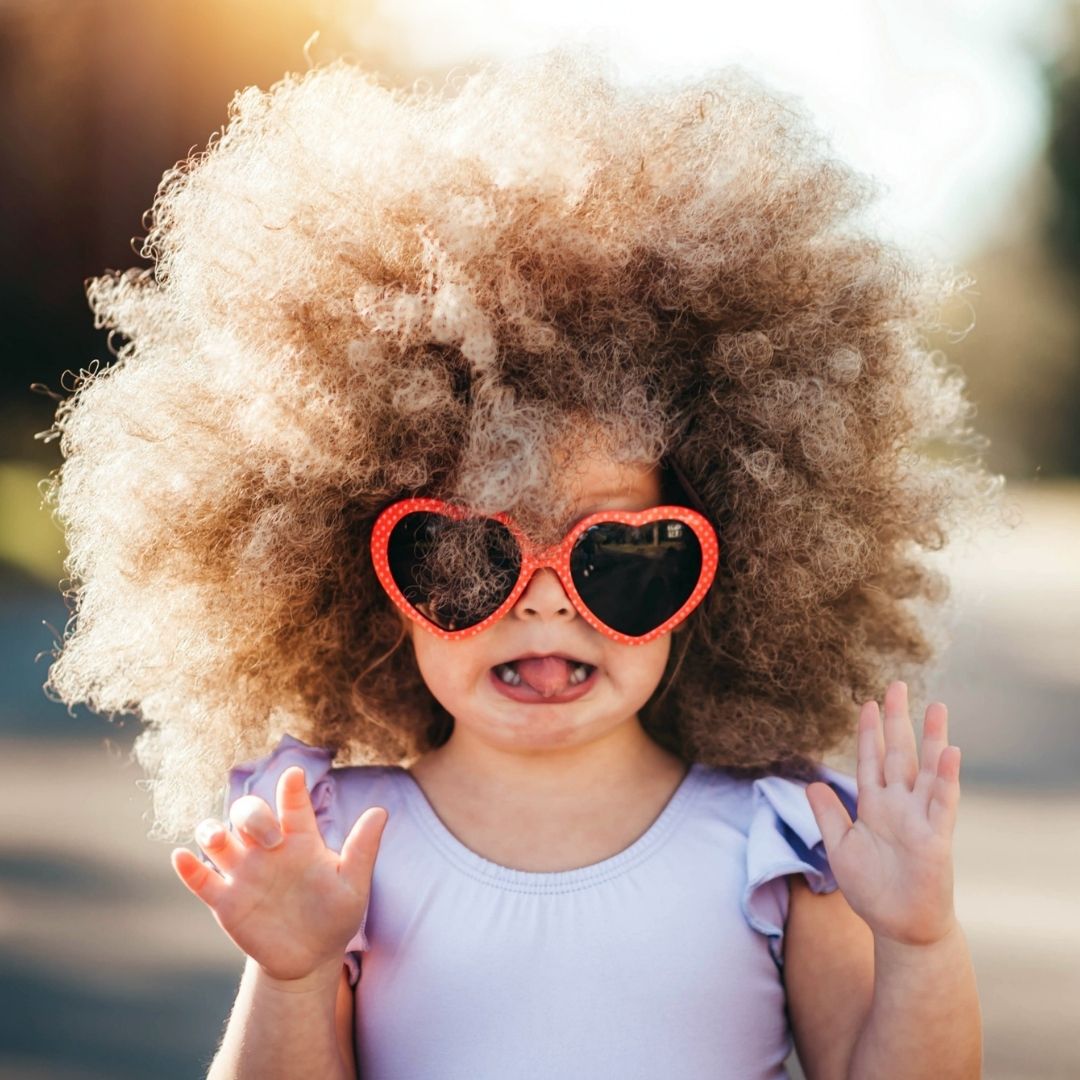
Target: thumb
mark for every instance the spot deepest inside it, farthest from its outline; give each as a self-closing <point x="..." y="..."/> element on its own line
<point x="830" y="813"/>
<point x="360" y="848"/>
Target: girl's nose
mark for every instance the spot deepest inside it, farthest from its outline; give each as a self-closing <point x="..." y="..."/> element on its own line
<point x="544" y="598"/>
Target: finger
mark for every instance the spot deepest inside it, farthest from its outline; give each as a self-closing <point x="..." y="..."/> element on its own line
<point x="361" y="847"/>
<point x="830" y="813"/>
<point x="935" y="738"/>
<point x="254" y="821"/>
<point x="945" y="795"/>
<point x="220" y="845"/>
<point x="295" y="812"/>
<point x="901" y="764"/>
<point x="207" y="885"/>
<point x="871" y="747"/>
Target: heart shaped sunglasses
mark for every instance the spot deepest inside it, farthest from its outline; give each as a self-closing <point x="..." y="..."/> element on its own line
<point x="632" y="575"/>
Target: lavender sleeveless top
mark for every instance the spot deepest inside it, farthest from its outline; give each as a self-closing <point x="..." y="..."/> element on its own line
<point x="661" y="961"/>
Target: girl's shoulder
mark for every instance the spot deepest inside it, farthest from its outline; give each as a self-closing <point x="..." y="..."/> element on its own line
<point x="339" y="794"/>
<point x="772" y="805"/>
<point x="777" y="835"/>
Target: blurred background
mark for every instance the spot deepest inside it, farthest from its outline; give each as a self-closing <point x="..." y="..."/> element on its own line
<point x="967" y="110"/>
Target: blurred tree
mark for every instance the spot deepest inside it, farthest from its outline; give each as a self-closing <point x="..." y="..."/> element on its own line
<point x="1017" y="356"/>
<point x="1062" y="77"/>
<point x="1022" y="359"/>
<point x="100" y="98"/>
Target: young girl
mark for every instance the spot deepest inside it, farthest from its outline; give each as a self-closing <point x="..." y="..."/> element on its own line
<point x="557" y="457"/>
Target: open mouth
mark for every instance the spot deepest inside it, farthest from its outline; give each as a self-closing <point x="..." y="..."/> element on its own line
<point x="544" y="676"/>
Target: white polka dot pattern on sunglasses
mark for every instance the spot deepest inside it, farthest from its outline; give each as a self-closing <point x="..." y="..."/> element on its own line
<point x="556" y="558"/>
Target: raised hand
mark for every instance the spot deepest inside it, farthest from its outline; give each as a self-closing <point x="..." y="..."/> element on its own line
<point x="894" y="864"/>
<point x="285" y="898"/>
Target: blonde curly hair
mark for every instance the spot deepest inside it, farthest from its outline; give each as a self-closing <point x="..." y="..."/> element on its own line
<point x="361" y="293"/>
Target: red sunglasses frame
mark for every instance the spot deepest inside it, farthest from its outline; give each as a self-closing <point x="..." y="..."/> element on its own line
<point x="556" y="557"/>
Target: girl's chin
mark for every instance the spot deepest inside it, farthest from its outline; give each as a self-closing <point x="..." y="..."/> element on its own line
<point x="528" y="696"/>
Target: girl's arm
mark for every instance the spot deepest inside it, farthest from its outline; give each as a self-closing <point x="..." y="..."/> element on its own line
<point x="288" y="1028"/>
<point x="866" y="1008"/>
<point x="925" y="1020"/>
<point x="893" y="866"/>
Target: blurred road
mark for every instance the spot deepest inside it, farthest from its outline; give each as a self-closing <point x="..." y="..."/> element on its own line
<point x="109" y="969"/>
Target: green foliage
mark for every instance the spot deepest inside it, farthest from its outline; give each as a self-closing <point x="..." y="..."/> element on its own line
<point x="30" y="540"/>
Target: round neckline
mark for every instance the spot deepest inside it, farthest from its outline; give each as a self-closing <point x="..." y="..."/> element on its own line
<point x="481" y="868"/>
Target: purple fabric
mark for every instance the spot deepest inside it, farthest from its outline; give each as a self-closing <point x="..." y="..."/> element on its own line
<point x="784" y="838"/>
<point x="663" y="960"/>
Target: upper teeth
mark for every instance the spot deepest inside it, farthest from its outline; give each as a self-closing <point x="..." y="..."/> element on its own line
<point x="509" y="675"/>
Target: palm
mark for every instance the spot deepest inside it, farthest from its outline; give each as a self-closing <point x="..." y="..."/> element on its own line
<point x="894" y="864"/>
<point x="288" y="902"/>
<point x="294" y="906"/>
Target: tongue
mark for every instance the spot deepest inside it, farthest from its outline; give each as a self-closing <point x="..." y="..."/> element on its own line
<point x="547" y="675"/>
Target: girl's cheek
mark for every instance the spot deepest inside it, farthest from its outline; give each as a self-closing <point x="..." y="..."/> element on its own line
<point x="640" y="666"/>
<point x="445" y="666"/>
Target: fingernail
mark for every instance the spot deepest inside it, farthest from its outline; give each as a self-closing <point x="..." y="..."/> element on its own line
<point x="270" y="838"/>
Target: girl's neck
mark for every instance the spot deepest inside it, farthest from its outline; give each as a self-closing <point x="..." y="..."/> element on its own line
<point x="621" y="763"/>
<point x="550" y="810"/>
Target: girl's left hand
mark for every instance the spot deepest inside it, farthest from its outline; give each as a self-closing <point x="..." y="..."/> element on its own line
<point x="894" y="864"/>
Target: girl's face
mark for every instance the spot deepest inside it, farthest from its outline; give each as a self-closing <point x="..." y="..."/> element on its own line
<point x="520" y="684"/>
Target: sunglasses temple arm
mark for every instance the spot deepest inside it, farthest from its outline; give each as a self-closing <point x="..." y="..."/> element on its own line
<point x="688" y="488"/>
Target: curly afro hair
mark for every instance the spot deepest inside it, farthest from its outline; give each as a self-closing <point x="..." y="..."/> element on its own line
<point x="361" y="292"/>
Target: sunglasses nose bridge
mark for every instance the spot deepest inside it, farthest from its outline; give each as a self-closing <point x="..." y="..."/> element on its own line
<point x="537" y="597"/>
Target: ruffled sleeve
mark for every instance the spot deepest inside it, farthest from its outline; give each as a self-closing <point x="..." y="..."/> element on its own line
<point x="784" y="838"/>
<point x="261" y="777"/>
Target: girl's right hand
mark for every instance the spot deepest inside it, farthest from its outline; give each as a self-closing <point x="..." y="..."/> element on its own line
<point x="286" y="899"/>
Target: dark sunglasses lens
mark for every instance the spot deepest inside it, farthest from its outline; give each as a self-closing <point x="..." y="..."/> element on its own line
<point x="635" y="578"/>
<point x="422" y="553"/>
